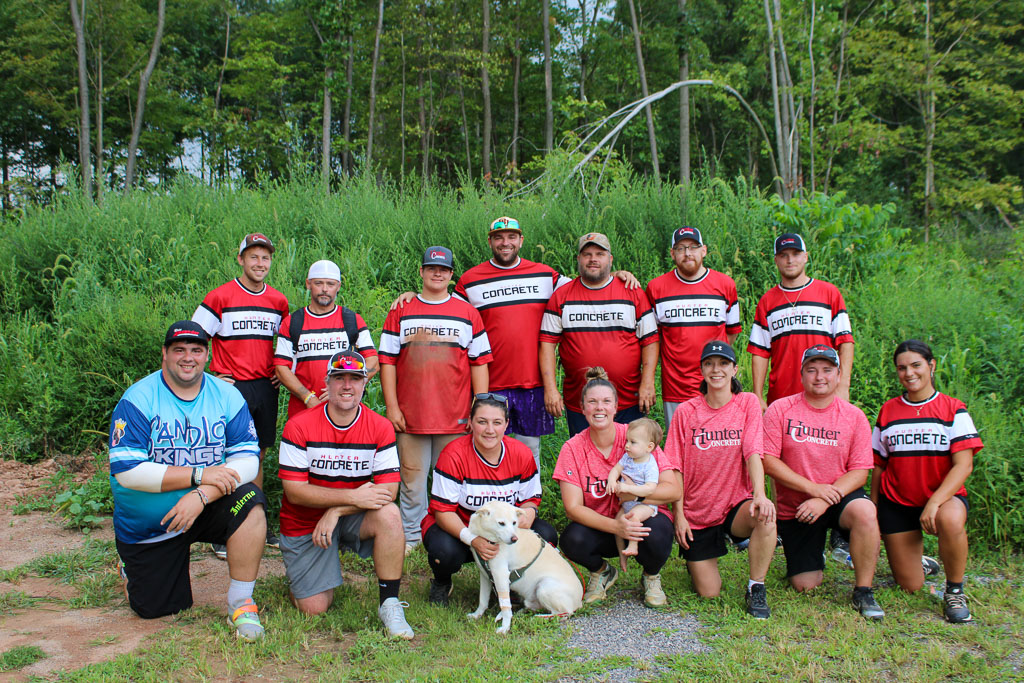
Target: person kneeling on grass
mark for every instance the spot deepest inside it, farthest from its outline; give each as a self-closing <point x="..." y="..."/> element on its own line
<point x="183" y="454"/>
<point x="339" y="471"/>
<point x="924" y="444"/>
<point x="718" y="439"/>
<point x="636" y="471"/>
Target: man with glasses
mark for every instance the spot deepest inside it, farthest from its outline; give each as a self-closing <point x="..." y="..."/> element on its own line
<point x="339" y="470"/>
<point x="693" y="305"/>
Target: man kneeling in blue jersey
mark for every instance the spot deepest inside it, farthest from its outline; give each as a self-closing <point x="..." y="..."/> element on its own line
<point x="183" y="451"/>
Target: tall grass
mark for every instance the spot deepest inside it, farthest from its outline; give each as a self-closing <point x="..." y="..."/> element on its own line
<point x="87" y="292"/>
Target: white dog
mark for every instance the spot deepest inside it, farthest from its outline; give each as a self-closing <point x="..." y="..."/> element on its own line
<point x="526" y="562"/>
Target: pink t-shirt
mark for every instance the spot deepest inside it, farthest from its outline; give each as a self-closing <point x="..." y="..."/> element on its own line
<point x="821" y="444"/>
<point x="580" y="463"/>
<point x="712" y="446"/>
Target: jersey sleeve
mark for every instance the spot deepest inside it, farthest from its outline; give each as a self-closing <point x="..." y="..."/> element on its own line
<point x="364" y="342"/>
<point x="460" y="290"/>
<point x="842" y="332"/>
<point x="446" y="484"/>
<point x="391" y="338"/>
<point x="293" y="459"/>
<point x="674" y="437"/>
<point x="773" y="430"/>
<point x="385" y="459"/>
<point x="664" y="461"/>
<point x="732" y="310"/>
<point x="879" y="449"/>
<point x="646" y="322"/>
<point x="207" y="315"/>
<point x="567" y="467"/>
<point x="551" y="323"/>
<point x="753" y="429"/>
<point x="284" y="352"/>
<point x="963" y="435"/>
<point x="860" y="457"/>
<point x="760" y="343"/>
<point x="240" y="433"/>
<point x="529" y="482"/>
<point x="129" y="437"/>
<point x="479" y="350"/>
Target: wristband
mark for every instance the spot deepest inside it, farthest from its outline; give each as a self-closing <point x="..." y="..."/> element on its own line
<point x="202" y="497"/>
<point x="308" y="396"/>
<point x="466" y="536"/>
<point x="197" y="475"/>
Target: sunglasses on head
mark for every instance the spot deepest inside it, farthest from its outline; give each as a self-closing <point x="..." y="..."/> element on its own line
<point x="500" y="398"/>
<point x="347" y="363"/>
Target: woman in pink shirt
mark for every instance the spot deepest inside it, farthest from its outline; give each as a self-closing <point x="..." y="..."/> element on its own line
<point x="582" y="472"/>
<point x="717" y="438"/>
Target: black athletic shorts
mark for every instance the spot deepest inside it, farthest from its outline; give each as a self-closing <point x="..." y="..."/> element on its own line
<point x="261" y="397"/>
<point x="804" y="543"/>
<point x="894" y="518"/>
<point x="158" y="578"/>
<point x="709" y="543"/>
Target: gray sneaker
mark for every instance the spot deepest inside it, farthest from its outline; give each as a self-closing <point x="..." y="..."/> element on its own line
<point x="392" y="613"/>
<point x="864" y="601"/>
<point x="930" y="565"/>
<point x="955" y="609"/>
<point x="221" y="551"/>
<point x="600" y="582"/>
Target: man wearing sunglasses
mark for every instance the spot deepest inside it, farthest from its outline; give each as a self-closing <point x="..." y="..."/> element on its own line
<point x="339" y="470"/>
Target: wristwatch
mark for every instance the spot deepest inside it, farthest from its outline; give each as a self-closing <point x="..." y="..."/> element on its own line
<point x="197" y="476"/>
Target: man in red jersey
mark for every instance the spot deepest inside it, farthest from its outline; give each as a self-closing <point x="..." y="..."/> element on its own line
<point x="797" y="313"/>
<point x="597" y="320"/>
<point x="693" y="305"/>
<point x="817" y="450"/>
<point x="311" y="335"/>
<point x="242" y="316"/>
<point x="511" y="293"/>
<point x="339" y="470"/>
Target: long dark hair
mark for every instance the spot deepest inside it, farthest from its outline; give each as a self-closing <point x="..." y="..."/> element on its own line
<point x="914" y="346"/>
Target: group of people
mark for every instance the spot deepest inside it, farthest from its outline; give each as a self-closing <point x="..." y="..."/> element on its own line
<point x="469" y="380"/>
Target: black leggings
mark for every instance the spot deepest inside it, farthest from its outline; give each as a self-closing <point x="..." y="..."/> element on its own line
<point x="447" y="554"/>
<point x="588" y="547"/>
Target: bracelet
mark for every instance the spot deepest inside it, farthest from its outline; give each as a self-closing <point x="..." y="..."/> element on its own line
<point x="194" y="482"/>
<point x="466" y="536"/>
<point x="308" y="396"/>
<point x="197" y="475"/>
<point x="202" y="497"/>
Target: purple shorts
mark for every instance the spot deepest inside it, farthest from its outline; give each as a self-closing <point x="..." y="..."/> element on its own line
<point x="527" y="415"/>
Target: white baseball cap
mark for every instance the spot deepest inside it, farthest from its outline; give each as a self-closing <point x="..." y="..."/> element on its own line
<point x="324" y="270"/>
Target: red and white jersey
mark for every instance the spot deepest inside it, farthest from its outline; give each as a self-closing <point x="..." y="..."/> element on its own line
<point x="511" y="302"/>
<point x="581" y="464"/>
<point x="712" y="446"/>
<point x="914" y="445"/>
<point x="604" y="327"/>
<point x="463" y="481"/>
<point x="690" y="313"/>
<point x="787" y="322"/>
<point x="433" y="344"/>
<point x="242" y="324"/>
<point x="317" y="451"/>
<point x="322" y="336"/>
<point x="820" y="444"/>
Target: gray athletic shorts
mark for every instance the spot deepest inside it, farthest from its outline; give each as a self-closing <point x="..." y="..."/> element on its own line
<point x="311" y="569"/>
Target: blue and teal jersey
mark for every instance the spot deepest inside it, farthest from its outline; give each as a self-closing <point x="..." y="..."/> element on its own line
<point x="151" y="424"/>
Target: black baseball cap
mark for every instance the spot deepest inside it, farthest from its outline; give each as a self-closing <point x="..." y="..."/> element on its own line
<point x="347" y="362"/>
<point x="687" y="233"/>
<point x="820" y="351"/>
<point x="789" y="240"/>
<point x="186" y="331"/>
<point x="718" y="348"/>
<point x="439" y="256"/>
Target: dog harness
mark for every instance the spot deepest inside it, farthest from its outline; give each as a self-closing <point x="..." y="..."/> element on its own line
<point x="515" y="574"/>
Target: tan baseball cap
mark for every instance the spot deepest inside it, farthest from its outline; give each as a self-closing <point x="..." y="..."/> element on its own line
<point x="594" y="238"/>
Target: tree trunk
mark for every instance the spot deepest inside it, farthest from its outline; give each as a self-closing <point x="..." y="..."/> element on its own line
<point x="140" y="103"/>
<point x="325" y="133"/>
<point x="346" y="127"/>
<point x="401" y="107"/>
<point x="84" y="127"/>
<point x="485" y="86"/>
<point x="373" y="83"/>
<point x="549" y="112"/>
<point x="98" y="173"/>
<point x="810" y="111"/>
<point x="780" y="139"/>
<point x="465" y="125"/>
<point x="516" y="72"/>
<point x="684" y="103"/>
<point x="222" y="163"/>
<point x="651" y="138"/>
<point x="929" y="124"/>
<point x="835" y="104"/>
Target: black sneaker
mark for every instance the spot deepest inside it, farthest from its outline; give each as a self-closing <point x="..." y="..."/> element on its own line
<point x="272" y="540"/>
<point x="864" y="601"/>
<point x="439" y="593"/>
<point x="954" y="607"/>
<point x="757" y="602"/>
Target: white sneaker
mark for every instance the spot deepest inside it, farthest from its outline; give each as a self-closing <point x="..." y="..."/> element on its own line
<point x="654" y="596"/>
<point x="392" y="613"/>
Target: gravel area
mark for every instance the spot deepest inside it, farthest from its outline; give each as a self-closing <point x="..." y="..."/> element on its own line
<point x="628" y="629"/>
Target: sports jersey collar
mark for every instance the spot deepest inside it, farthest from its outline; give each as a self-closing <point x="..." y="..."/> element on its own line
<point x="707" y="271"/>
<point x="594" y="289"/>
<point x="519" y="260"/>
<point x="245" y="289"/>
<point x="484" y="460"/>
<point x="322" y="315"/>
<point x="796" y="289"/>
<point x="342" y="428"/>
<point x="915" y="404"/>
<point x="163" y="380"/>
<point x="435" y="303"/>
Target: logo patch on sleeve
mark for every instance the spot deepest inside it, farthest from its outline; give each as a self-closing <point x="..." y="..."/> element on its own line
<point x="118" y="433"/>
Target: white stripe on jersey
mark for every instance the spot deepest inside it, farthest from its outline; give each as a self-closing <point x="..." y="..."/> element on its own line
<point x="206" y="319"/>
<point x="709" y="310"/>
<point x="429" y="330"/>
<point x="247" y="323"/>
<point x="321" y="344"/>
<point x="348" y="461"/>
<point x="963" y="426"/>
<point x="535" y="288"/>
<point x="604" y="316"/>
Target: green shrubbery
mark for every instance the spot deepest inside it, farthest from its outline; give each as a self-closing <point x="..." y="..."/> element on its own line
<point x="86" y="292"/>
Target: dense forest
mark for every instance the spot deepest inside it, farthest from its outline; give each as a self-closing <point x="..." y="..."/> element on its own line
<point x="915" y="103"/>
